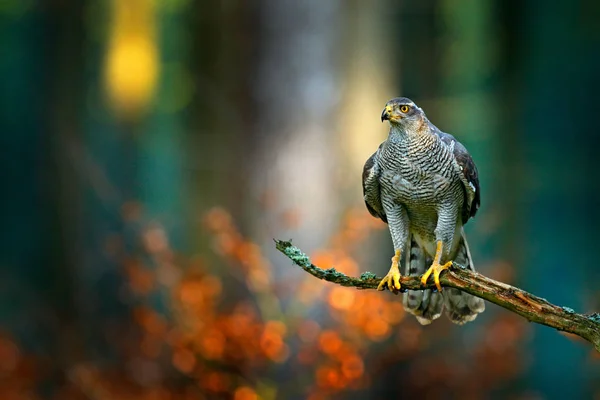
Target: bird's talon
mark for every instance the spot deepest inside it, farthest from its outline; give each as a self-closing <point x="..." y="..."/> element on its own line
<point x="436" y="269"/>
<point x="392" y="279"/>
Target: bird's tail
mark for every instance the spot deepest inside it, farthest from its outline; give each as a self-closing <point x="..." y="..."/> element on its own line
<point x="426" y="305"/>
<point x="462" y="307"/>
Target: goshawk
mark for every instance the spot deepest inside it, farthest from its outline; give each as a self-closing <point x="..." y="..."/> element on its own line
<point x="424" y="184"/>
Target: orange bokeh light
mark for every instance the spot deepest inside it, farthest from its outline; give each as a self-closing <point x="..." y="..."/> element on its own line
<point x="342" y="298"/>
<point x="184" y="360"/>
<point x="245" y="393"/>
<point x="329" y="342"/>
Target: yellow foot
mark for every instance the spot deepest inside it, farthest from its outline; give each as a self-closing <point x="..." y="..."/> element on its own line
<point x="437" y="269"/>
<point x="392" y="279"/>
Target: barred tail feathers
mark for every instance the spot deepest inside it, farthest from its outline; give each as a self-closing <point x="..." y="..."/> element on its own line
<point x="426" y="305"/>
<point x="462" y="307"/>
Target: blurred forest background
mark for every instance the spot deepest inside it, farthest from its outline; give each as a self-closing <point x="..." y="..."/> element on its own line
<point x="151" y="150"/>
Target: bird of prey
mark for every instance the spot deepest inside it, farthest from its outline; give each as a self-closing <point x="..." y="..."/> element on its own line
<point x="424" y="184"/>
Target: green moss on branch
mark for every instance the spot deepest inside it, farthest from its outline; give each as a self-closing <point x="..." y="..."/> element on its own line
<point x="534" y="308"/>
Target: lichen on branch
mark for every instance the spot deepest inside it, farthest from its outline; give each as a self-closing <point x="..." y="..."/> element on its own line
<point x="527" y="305"/>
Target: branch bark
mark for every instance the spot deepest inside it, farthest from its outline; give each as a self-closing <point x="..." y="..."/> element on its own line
<point x="533" y="308"/>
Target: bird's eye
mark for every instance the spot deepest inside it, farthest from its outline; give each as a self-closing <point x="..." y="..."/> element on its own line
<point x="404" y="108"/>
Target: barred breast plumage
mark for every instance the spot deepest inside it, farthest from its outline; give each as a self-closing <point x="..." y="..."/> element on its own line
<point x="418" y="173"/>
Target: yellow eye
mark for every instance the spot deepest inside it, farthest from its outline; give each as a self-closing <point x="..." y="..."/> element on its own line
<point x="404" y="108"/>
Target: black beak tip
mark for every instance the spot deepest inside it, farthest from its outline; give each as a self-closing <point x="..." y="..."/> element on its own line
<point x="384" y="116"/>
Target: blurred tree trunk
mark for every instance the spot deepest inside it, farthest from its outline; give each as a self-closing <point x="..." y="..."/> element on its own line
<point x="64" y="89"/>
<point x="26" y="214"/>
<point x="296" y="89"/>
<point x="223" y="65"/>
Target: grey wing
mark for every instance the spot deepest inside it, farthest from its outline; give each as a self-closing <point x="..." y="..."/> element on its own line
<point x="469" y="175"/>
<point x="371" y="188"/>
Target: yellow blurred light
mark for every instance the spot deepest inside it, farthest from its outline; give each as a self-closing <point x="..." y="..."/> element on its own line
<point x="132" y="59"/>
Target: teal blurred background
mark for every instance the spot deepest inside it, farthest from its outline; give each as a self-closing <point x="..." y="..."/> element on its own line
<point x="144" y="142"/>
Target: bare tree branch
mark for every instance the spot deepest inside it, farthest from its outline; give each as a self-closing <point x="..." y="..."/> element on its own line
<point x="534" y="308"/>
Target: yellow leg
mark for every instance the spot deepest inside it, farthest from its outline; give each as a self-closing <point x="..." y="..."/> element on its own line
<point x="436" y="268"/>
<point x="392" y="279"/>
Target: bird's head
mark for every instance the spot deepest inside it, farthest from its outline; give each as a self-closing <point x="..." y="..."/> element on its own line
<point x="403" y="112"/>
